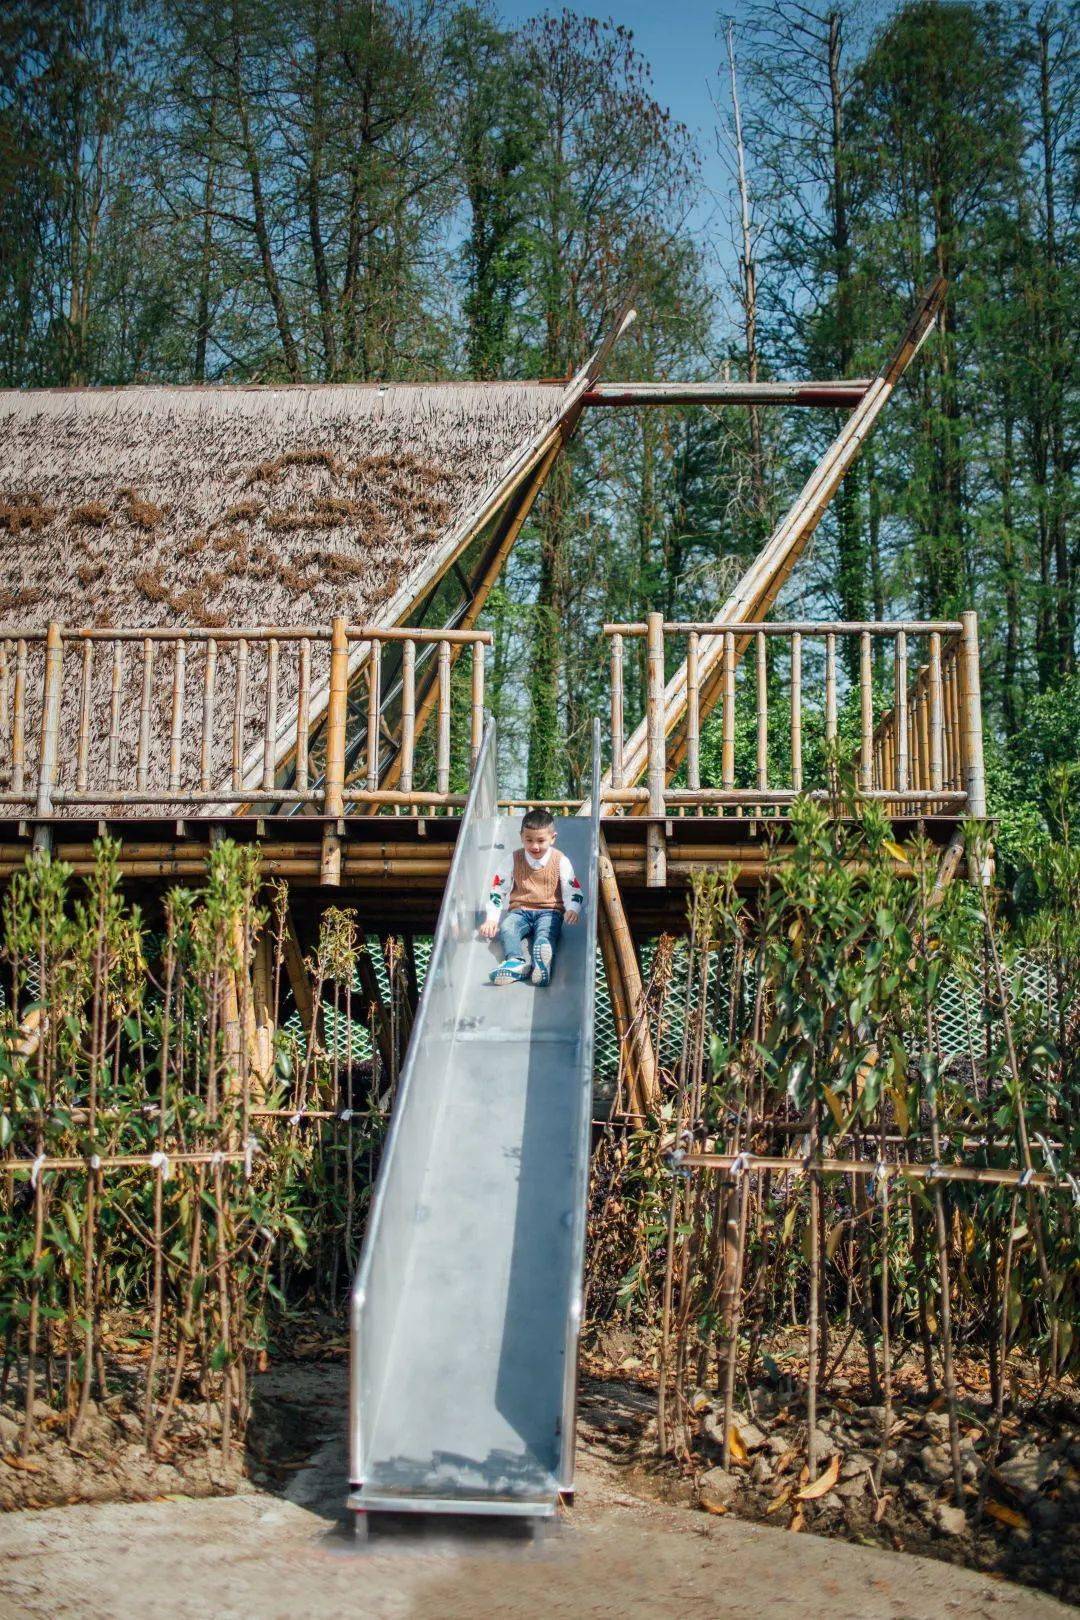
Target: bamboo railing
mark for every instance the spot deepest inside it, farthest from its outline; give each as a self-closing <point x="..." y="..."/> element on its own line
<point x="170" y="720"/>
<point x="923" y="757"/>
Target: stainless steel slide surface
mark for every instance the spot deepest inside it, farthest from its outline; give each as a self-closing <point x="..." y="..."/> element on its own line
<point x="467" y="1300"/>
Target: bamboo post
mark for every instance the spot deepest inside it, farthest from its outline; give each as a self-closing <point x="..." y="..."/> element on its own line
<point x="949" y="698"/>
<point x="645" y="1079"/>
<point x="142" y="760"/>
<point x="176" y="726"/>
<point x="116" y="680"/>
<point x="971" y="717"/>
<point x="727" y="761"/>
<point x="796" y="712"/>
<point x="50" y="718"/>
<point x="239" y="713"/>
<point x="334" y="776"/>
<point x="901" y="713"/>
<point x="408" y="716"/>
<point x="656" y="857"/>
<point x="270" y="712"/>
<point x="693" y="714"/>
<point x="922" y="712"/>
<point x="477" y="731"/>
<point x="5" y="692"/>
<point x="866" y="714"/>
<point x="206" y="742"/>
<point x="374" y="708"/>
<point x="303" y="714"/>
<point x="830" y="688"/>
<point x="442" y="758"/>
<point x="82" y="767"/>
<point x="617" y="721"/>
<point x="762" y="713"/>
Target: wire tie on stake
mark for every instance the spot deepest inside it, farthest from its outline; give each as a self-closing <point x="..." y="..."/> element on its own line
<point x="35" y="1169"/>
<point x="345" y="1115"/>
<point x="933" y="1171"/>
<point x="294" y="1119"/>
<point x="160" y="1161"/>
<point x="1025" y="1177"/>
<point x="94" y="1161"/>
<point x="251" y="1147"/>
<point x="741" y="1164"/>
<point x="216" y="1158"/>
<point x="879" y="1181"/>
<point x="1051" y="1162"/>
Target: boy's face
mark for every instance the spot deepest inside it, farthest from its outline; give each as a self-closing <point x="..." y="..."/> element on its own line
<point x="536" y="841"/>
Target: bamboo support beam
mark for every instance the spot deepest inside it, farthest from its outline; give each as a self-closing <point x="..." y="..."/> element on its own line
<point x="176" y="724"/>
<point x="796" y="713"/>
<point x="971" y="718"/>
<point x="334" y="775"/>
<point x="866" y="713"/>
<point x="645" y="1096"/>
<point x="759" y="1164"/>
<point x="50" y="719"/>
<point x="209" y="695"/>
<point x="657" y="772"/>
<point x="476" y="731"/>
<point x="303" y="713"/>
<point x="617" y="722"/>
<point x="727" y="719"/>
<point x="762" y="773"/>
<point x="269" y="714"/>
<point x="142" y="761"/>
<point x="374" y="706"/>
<point x="442" y="754"/>
<point x="82" y="767"/>
<point x="759" y="587"/>
<point x="693" y="714"/>
<point x="408" y="716"/>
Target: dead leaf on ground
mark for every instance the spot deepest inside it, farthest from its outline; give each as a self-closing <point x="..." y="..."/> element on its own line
<point x="712" y="1506"/>
<point x="881" y="1505"/>
<point x="1003" y="1514"/>
<point x="797" y="1520"/>
<point x="824" y="1482"/>
<point x="739" y="1453"/>
<point x="784" y="1497"/>
<point x="23" y="1464"/>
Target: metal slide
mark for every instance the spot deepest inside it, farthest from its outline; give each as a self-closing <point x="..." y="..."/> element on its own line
<point x="467" y="1299"/>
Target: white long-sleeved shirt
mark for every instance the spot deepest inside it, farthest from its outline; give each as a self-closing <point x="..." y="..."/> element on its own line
<point x="502" y="882"/>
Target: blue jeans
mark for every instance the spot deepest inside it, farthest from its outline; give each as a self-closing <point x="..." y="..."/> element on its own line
<point x="515" y="927"/>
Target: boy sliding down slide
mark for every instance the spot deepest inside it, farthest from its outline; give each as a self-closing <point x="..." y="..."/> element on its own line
<point x="529" y="895"/>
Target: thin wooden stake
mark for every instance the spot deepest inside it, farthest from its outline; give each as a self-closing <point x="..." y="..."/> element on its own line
<point x="142" y="761"/>
<point x="728" y="714"/>
<point x="442" y="763"/>
<point x="693" y="713"/>
<point x="408" y="716"/>
<point x="303" y="715"/>
<point x="239" y="713"/>
<point x="270" y="735"/>
<point x="477" y="730"/>
<point x="206" y="744"/>
<point x="177" y="723"/>
<point x="82" y="767"/>
<point x="116" y="678"/>
<point x="796" y="713"/>
<point x="374" y="676"/>
<point x="762" y="713"/>
<point x="866" y="716"/>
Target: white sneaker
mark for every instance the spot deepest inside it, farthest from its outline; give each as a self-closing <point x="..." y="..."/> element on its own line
<point x="542" y="957"/>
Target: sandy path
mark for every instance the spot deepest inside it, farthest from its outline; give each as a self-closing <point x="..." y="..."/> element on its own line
<point x="288" y="1557"/>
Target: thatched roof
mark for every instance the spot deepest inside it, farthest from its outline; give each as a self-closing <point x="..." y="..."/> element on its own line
<point x="261" y="505"/>
<point x="165" y="507"/>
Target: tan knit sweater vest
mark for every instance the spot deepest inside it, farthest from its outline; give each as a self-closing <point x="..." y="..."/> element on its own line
<point x="536" y="888"/>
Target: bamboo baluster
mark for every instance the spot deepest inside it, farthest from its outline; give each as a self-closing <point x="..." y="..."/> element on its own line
<point x="116" y="681"/>
<point x="901" y="712"/>
<point x="270" y="716"/>
<point x="656" y="854"/>
<point x="922" y="698"/>
<point x="442" y="763"/>
<point x="408" y="716"/>
<point x="796" y="712"/>
<point x="239" y="713"/>
<point x="937" y="715"/>
<point x="617" y="720"/>
<point x="50" y="718"/>
<point x="868" y="756"/>
<point x="303" y="714"/>
<point x="374" y="706"/>
<point x="477" y="735"/>
<point x="176" y="728"/>
<point x="727" y="760"/>
<point x="82" y="766"/>
<point x="693" y="714"/>
<point x="5" y="693"/>
<point x="142" y="759"/>
<point x="762" y="713"/>
<point x="337" y="709"/>
<point x="830" y="688"/>
<point x="971" y="753"/>
<point x="206" y="747"/>
<point x="952" y="753"/>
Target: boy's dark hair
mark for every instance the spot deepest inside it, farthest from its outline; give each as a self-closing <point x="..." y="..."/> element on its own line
<point x="537" y="820"/>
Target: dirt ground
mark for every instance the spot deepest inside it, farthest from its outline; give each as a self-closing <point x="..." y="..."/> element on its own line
<point x="285" y="1550"/>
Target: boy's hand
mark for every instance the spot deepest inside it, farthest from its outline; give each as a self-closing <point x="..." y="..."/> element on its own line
<point x="572" y="917"/>
<point x="488" y="929"/>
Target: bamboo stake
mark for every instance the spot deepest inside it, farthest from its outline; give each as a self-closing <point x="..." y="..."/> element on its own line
<point x="617" y="721"/>
<point x="5" y="691"/>
<point x="901" y="713"/>
<point x="334" y="773"/>
<point x="374" y="675"/>
<point x="937" y="717"/>
<point x="971" y="721"/>
<point x="176" y="727"/>
<point x="830" y="688"/>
